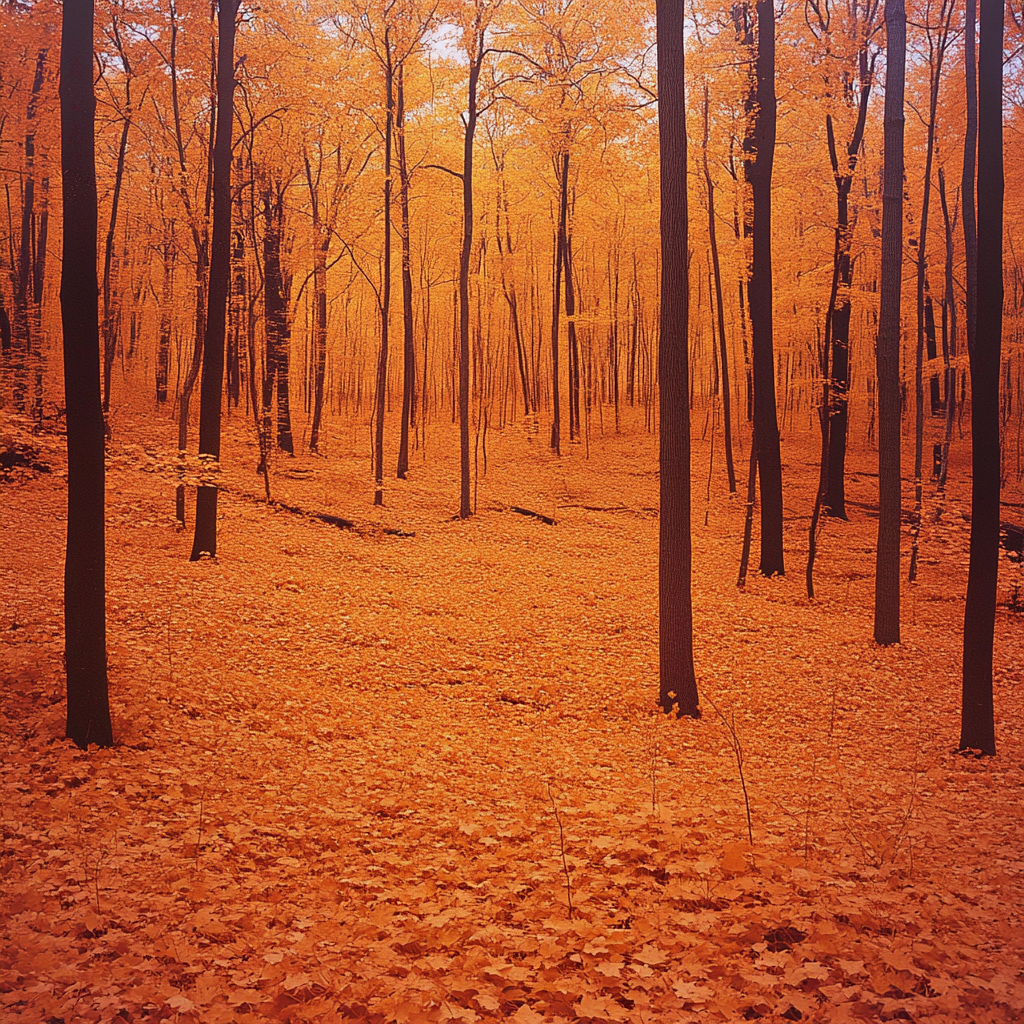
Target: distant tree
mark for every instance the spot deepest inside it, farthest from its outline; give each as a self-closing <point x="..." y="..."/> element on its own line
<point x="759" y="166"/>
<point x="887" y="555"/>
<point x="85" y="625"/>
<point x="205" y="541"/>
<point x="938" y="38"/>
<point x="977" y="729"/>
<point x="678" y="689"/>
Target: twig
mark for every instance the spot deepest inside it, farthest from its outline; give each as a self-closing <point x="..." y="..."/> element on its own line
<point x="199" y="838"/>
<point x="561" y="842"/>
<point x="737" y="749"/>
<point x="807" y="817"/>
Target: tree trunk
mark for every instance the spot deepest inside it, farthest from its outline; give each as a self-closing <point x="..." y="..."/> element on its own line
<point x="977" y="730"/>
<point x="949" y="332"/>
<point x="321" y="242"/>
<point x="678" y="688"/>
<point x="276" y="297"/>
<point x="759" y="171"/>
<point x="574" y="347"/>
<point x="385" y="303"/>
<point x="85" y="627"/>
<point x="967" y="193"/>
<point x="26" y="318"/>
<point x="409" y="351"/>
<point x="205" y="539"/>
<point x="887" y="360"/>
<point x="476" y="60"/>
<point x="719" y="303"/>
<point x="109" y="323"/>
<point x="562" y="174"/>
<point x="834" y="499"/>
<point x="923" y="300"/>
<point x="163" y="353"/>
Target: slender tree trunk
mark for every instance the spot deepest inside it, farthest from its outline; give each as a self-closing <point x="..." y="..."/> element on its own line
<point x="675" y="608"/>
<point x="276" y="293"/>
<point x="109" y="323"/>
<point x="949" y="332"/>
<point x="977" y="729"/>
<point x="834" y="499"/>
<point x="409" y="350"/>
<point x="25" y="319"/>
<point x="163" y="355"/>
<point x="766" y="425"/>
<point x="385" y="305"/>
<point x="556" y="298"/>
<point x="476" y="61"/>
<point x="967" y="191"/>
<point x="85" y="627"/>
<point x="574" y="347"/>
<point x="719" y="303"/>
<point x="321" y="241"/>
<point x="887" y="364"/>
<point x="923" y="300"/>
<point x="205" y="539"/>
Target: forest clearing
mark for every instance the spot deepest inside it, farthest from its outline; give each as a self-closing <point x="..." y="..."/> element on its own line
<point x="346" y="761"/>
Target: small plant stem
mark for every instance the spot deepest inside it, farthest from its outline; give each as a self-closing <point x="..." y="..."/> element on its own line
<point x="561" y="841"/>
<point x="199" y="838"/>
<point x="737" y="749"/>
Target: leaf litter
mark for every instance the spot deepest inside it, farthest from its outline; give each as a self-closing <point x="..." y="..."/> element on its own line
<point x="347" y="763"/>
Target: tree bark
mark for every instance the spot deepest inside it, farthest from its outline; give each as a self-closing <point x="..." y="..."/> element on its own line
<point x="759" y="171"/>
<point x="967" y="192"/>
<point x="887" y="362"/>
<point x="678" y="689"/>
<point x="85" y="628"/>
<point x="719" y="303"/>
<point x="977" y="729"/>
<point x="408" y="348"/>
<point x="385" y="302"/>
<point x="476" y="62"/>
<point x="205" y="538"/>
<point x="562" y="175"/>
<point x="834" y="499"/>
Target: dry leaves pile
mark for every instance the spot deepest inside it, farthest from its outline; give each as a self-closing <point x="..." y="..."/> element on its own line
<point x="349" y="763"/>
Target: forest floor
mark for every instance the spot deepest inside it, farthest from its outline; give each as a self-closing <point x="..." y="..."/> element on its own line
<point x="360" y="774"/>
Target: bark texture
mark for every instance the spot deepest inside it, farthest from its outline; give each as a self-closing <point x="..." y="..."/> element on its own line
<point x="85" y="627"/>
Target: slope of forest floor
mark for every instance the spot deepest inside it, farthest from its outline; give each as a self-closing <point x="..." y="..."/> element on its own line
<point x="360" y="774"/>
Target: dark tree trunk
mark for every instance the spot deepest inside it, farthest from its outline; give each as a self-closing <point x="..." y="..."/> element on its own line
<point x="277" y="298"/>
<point x="936" y="55"/>
<point x="562" y="175"/>
<point x="977" y="731"/>
<point x="385" y="302"/>
<point x="967" y="192"/>
<point x="759" y="170"/>
<point x="678" y="688"/>
<point x="26" y="319"/>
<point x="321" y="241"/>
<point x="574" y="347"/>
<point x="205" y="539"/>
<point x="719" y="303"/>
<point x="834" y="500"/>
<point x="949" y="333"/>
<point x="408" y="349"/>
<point x="476" y="61"/>
<point x="163" y="353"/>
<point x="85" y="627"/>
<point x="109" y="313"/>
<point x="887" y="362"/>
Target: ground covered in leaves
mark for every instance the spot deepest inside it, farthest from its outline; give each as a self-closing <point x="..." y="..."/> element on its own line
<point x="361" y="772"/>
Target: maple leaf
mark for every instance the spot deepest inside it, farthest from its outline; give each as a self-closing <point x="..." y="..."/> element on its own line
<point x="651" y="955"/>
